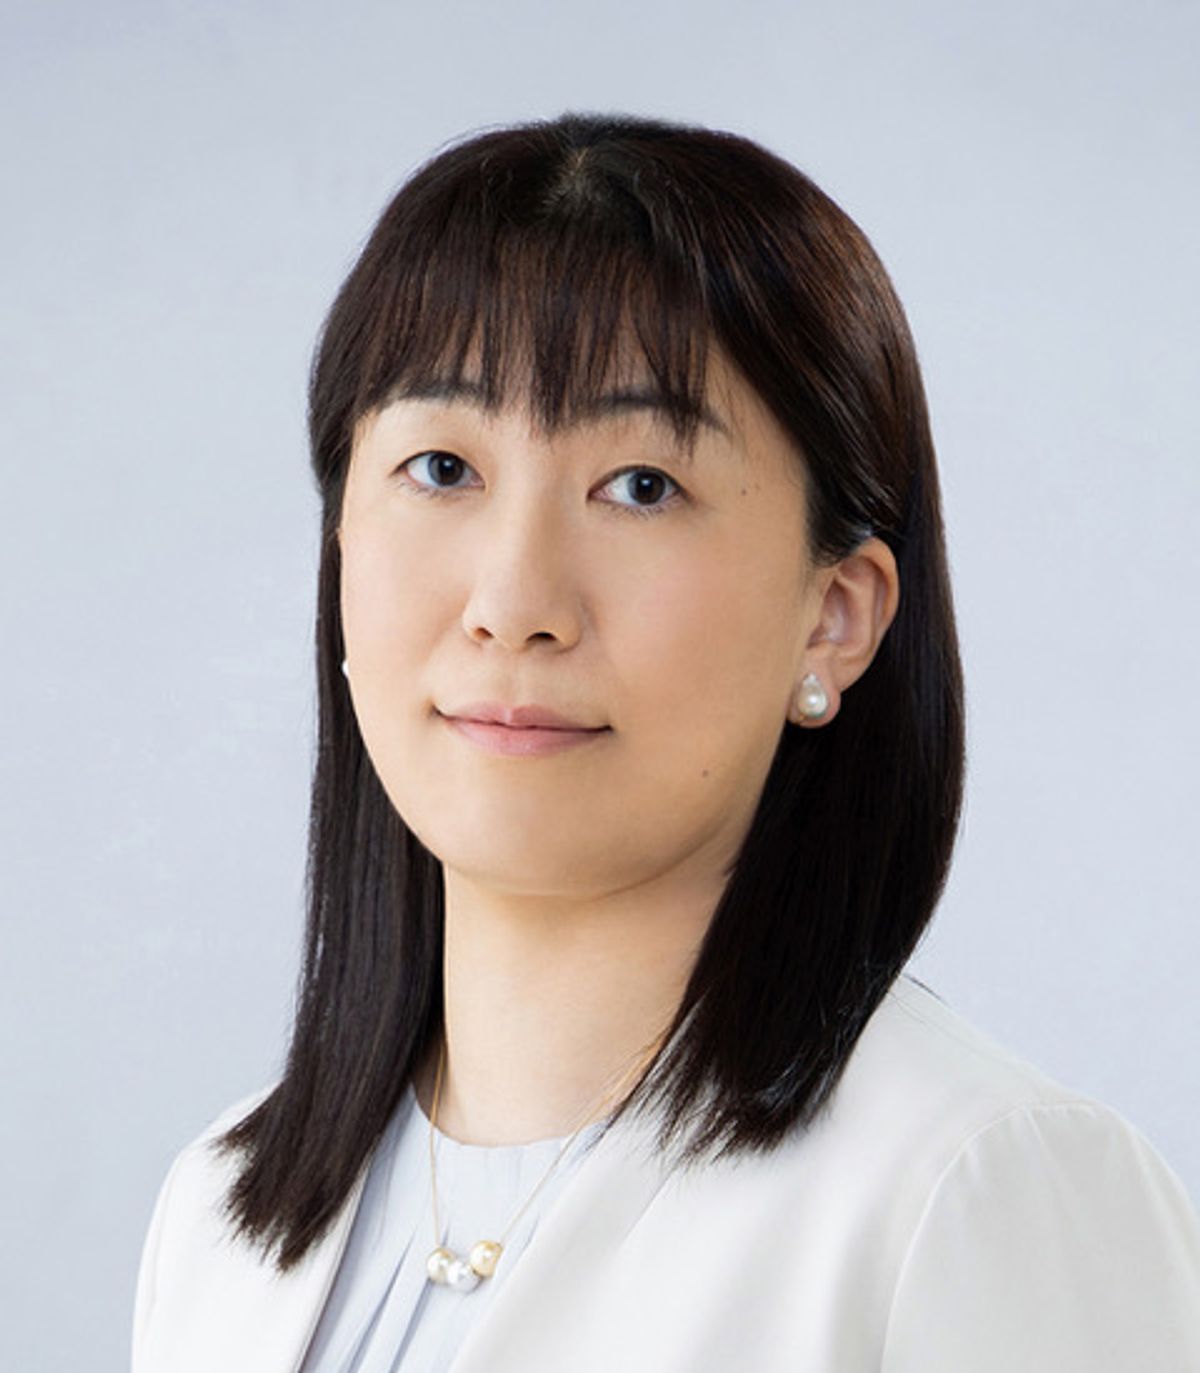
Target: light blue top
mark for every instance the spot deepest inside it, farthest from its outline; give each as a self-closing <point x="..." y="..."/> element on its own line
<point x="384" y="1315"/>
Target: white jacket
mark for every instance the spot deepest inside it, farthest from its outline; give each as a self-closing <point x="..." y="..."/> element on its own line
<point x="955" y="1211"/>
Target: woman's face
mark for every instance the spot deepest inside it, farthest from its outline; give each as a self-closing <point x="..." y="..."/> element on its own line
<point x="661" y="599"/>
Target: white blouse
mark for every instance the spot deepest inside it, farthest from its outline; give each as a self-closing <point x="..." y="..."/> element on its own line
<point x="383" y="1313"/>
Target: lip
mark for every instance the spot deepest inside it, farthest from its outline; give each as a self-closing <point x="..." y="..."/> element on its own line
<point x="518" y="717"/>
<point x="519" y="731"/>
<point x="522" y="743"/>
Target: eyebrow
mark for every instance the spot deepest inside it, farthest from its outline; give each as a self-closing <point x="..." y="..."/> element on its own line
<point x="620" y="402"/>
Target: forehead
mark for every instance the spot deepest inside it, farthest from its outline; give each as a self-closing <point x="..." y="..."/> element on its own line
<point x="571" y="363"/>
<point x="712" y="400"/>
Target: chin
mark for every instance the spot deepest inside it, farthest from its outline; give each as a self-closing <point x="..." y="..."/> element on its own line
<point x="501" y="858"/>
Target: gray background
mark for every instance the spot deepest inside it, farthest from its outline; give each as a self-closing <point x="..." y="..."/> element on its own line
<point x="186" y="184"/>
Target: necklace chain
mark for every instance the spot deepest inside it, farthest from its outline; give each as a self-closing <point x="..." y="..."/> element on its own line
<point x="444" y="1266"/>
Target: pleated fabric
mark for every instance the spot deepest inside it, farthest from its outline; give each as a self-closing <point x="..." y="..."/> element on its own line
<point x="383" y="1314"/>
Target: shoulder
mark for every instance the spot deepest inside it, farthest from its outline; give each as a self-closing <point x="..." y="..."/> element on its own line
<point x="920" y="1054"/>
<point x="1039" y="1223"/>
<point x="188" y="1223"/>
<point x="923" y="1082"/>
<point x="208" y="1298"/>
<point x="939" y="1098"/>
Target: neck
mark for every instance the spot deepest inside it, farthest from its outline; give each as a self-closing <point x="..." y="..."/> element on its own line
<point x="552" y="1007"/>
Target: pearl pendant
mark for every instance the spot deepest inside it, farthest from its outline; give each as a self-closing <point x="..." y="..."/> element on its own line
<point x="437" y="1263"/>
<point x="461" y="1276"/>
<point x="448" y="1270"/>
<point x="485" y="1256"/>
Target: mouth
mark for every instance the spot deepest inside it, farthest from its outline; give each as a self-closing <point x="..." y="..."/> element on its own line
<point x="522" y="741"/>
<point x="519" y="717"/>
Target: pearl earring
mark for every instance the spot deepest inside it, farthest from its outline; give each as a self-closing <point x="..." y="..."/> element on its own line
<point x="811" y="699"/>
<point x="346" y="668"/>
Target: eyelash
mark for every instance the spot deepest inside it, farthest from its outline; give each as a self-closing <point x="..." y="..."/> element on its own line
<point x="645" y="511"/>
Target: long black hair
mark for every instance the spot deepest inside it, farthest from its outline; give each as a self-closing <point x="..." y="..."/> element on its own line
<point x="541" y="250"/>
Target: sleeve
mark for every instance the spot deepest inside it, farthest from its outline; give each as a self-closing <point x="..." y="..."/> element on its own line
<point x="1056" y="1241"/>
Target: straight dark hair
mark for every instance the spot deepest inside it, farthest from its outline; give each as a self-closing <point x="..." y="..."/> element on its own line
<point x="544" y="253"/>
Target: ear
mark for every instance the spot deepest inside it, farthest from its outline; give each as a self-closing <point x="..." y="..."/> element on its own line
<point x="856" y="602"/>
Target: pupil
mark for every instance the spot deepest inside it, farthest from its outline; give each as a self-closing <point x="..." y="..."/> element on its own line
<point x="445" y="466"/>
<point x="642" y="479"/>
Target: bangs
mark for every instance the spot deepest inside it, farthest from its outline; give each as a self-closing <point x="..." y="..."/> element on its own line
<point x="545" y="297"/>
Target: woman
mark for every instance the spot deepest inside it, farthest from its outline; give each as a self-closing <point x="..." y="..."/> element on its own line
<point x="640" y="763"/>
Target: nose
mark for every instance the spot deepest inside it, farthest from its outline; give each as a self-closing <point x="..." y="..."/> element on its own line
<point x="524" y="580"/>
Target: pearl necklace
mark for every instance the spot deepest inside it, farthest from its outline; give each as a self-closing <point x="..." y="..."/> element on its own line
<point x="444" y="1266"/>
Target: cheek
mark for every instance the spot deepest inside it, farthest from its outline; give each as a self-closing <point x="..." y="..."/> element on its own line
<point x="388" y="623"/>
<point x="387" y="594"/>
<point x="714" y="639"/>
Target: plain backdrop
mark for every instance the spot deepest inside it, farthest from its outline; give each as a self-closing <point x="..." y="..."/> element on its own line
<point x="185" y="185"/>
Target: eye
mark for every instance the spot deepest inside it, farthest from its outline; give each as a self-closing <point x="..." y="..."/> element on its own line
<point x="442" y="471"/>
<point x="442" y="468"/>
<point x="649" y="483"/>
